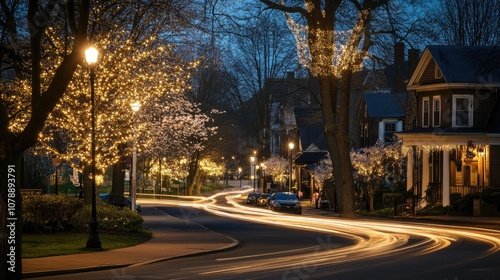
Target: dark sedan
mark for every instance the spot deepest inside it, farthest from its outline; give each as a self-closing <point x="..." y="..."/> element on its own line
<point x="285" y="202"/>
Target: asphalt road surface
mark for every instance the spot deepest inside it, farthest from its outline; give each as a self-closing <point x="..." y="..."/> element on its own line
<point x="278" y="246"/>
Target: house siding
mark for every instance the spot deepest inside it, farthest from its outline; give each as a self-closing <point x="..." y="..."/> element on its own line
<point x="495" y="166"/>
<point x="484" y="101"/>
<point x="428" y="74"/>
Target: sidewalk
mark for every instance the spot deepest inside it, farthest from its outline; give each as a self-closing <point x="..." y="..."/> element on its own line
<point x="176" y="238"/>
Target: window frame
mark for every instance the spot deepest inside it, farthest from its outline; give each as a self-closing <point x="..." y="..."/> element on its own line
<point x="434" y="111"/>
<point x="392" y="124"/>
<point x="424" y="113"/>
<point x="437" y="72"/>
<point x="470" y="111"/>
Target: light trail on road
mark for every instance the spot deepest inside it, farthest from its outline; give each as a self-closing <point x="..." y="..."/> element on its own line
<point x="383" y="241"/>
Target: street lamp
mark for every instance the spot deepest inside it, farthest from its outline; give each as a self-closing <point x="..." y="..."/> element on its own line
<point x="263" y="172"/>
<point x="56" y="162"/>
<point x="94" y="240"/>
<point x="239" y="175"/>
<point x="135" y="107"/>
<point x="252" y="159"/>
<point x="290" y="145"/>
<point x="255" y="172"/>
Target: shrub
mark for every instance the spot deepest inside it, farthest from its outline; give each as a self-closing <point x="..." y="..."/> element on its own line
<point x="436" y="210"/>
<point x="463" y="204"/>
<point x="386" y="212"/>
<point x="109" y="218"/>
<point x="48" y="213"/>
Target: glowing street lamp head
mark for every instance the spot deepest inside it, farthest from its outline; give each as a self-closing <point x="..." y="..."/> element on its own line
<point x="291" y="145"/>
<point x="252" y="159"/>
<point x="91" y="55"/>
<point x="136" y="106"/>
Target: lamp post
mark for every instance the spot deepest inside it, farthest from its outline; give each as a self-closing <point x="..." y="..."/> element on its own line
<point x="290" y="146"/>
<point x="56" y="162"/>
<point x="239" y="175"/>
<point x="255" y="172"/>
<point x="263" y="172"/>
<point x="94" y="240"/>
<point x="135" y="107"/>
<point x="252" y="159"/>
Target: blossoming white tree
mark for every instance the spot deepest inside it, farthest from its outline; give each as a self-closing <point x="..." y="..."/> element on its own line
<point x="277" y="167"/>
<point x="374" y="165"/>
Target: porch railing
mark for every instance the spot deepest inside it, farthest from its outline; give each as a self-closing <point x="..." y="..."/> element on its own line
<point x="464" y="190"/>
<point x="434" y="193"/>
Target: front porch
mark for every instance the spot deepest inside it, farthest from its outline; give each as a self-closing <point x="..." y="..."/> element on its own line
<point x="434" y="192"/>
<point x="441" y="165"/>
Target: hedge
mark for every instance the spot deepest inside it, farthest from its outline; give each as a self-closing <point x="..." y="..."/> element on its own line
<point x="55" y="213"/>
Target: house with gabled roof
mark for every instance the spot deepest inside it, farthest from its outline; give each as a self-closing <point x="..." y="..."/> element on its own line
<point x="454" y="146"/>
<point x="381" y="115"/>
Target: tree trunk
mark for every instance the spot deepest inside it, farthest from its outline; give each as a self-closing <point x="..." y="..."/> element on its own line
<point x="118" y="184"/>
<point x="372" y="203"/>
<point x="336" y="125"/>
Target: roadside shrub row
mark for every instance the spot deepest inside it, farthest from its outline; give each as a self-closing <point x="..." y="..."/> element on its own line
<point x="55" y="213"/>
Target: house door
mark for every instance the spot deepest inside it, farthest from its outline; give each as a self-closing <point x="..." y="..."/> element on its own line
<point x="470" y="174"/>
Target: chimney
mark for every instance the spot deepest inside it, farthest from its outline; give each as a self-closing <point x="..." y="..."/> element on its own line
<point x="413" y="57"/>
<point x="399" y="69"/>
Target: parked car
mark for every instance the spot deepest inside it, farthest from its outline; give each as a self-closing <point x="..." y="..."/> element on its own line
<point x="262" y="200"/>
<point x="252" y="198"/>
<point x="285" y="202"/>
<point x="119" y="201"/>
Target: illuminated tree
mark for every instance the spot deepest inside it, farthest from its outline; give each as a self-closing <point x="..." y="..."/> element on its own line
<point x="277" y="167"/>
<point x="333" y="45"/>
<point x="42" y="47"/>
<point x="135" y="65"/>
<point x="322" y="172"/>
<point x="24" y="79"/>
<point x="173" y="130"/>
<point x="374" y="165"/>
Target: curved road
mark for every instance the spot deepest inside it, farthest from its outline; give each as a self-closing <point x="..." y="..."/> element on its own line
<point x="279" y="246"/>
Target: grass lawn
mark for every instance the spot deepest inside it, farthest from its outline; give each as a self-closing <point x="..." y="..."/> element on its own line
<point x="43" y="245"/>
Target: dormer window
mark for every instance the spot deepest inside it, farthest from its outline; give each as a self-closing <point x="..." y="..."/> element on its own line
<point x="437" y="73"/>
<point x="462" y="110"/>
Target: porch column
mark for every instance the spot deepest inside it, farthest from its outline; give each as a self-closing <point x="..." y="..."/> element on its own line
<point x="425" y="171"/>
<point x="446" y="177"/>
<point x="409" y="169"/>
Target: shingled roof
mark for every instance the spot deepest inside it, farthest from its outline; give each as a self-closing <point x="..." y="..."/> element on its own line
<point x="465" y="64"/>
<point x="310" y="124"/>
<point x="385" y="104"/>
